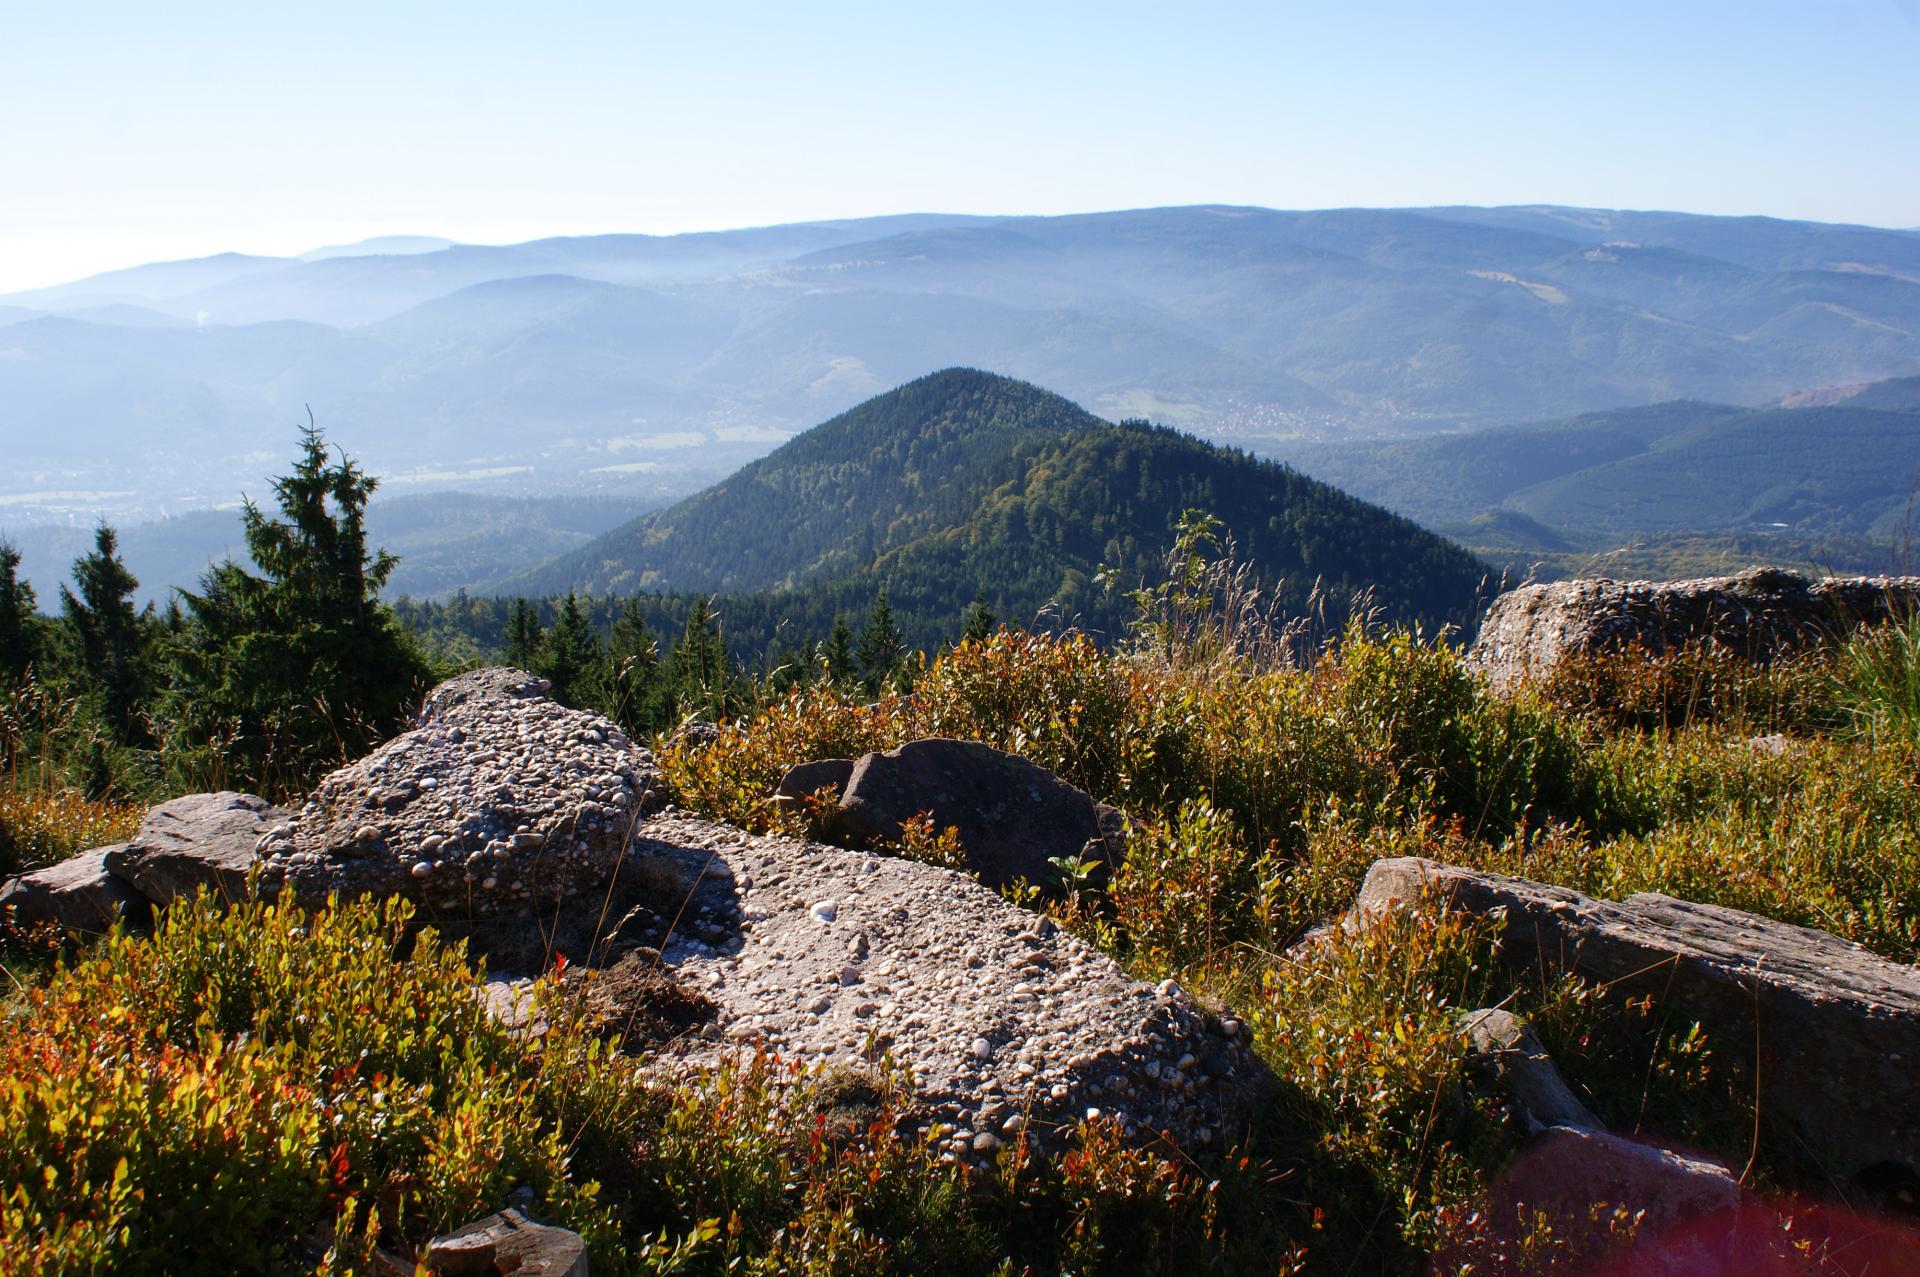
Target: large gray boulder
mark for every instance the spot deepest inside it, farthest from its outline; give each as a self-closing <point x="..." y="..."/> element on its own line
<point x="195" y="841"/>
<point x="78" y="895"/>
<point x="502" y="800"/>
<point x="1012" y="815"/>
<point x="1758" y="614"/>
<point x="1833" y="1030"/>
<point x="1005" y="1023"/>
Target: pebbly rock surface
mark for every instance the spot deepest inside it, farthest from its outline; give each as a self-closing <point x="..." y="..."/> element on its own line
<point x="198" y="840"/>
<point x="831" y="956"/>
<point x="500" y="800"/>
<point x="79" y="895"/>
<point x="1758" y="614"/>
<point x="1013" y="816"/>
<point x="1834" y="1029"/>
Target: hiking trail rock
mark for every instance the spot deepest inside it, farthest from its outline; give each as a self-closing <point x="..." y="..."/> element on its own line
<point x="79" y="894"/>
<point x="1013" y="816"/>
<point x="194" y="841"/>
<point x="1837" y="1027"/>
<point x="835" y="957"/>
<point x="1757" y="614"/>
<point x="500" y="800"/>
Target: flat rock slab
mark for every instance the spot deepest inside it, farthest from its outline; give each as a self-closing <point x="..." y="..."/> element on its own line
<point x="1530" y="630"/>
<point x="78" y="895"/>
<point x="199" y="840"/>
<point x="832" y="956"/>
<point x="1837" y="1027"/>
<point x="1012" y="815"/>
<point x="500" y="800"/>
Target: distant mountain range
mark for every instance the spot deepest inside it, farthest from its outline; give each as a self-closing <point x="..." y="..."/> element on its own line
<point x="964" y="484"/>
<point x="1828" y="477"/>
<point x="600" y="363"/>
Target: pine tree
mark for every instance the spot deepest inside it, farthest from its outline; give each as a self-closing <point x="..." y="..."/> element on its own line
<point x="880" y="645"/>
<point x="569" y="654"/>
<point x="302" y="665"/>
<point x="114" y="638"/>
<point x="523" y="636"/>
<point x="19" y="627"/>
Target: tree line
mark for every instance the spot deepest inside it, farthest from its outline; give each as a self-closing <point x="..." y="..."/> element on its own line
<point x="273" y="671"/>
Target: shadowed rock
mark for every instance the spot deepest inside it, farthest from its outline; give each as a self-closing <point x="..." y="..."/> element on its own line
<point x="1013" y="816"/>
<point x="1757" y="614"/>
<point x="78" y="895"/>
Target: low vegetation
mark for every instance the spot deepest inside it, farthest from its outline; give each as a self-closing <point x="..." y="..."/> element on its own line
<point x="262" y="1090"/>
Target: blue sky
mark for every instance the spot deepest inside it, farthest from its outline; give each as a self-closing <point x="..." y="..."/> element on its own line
<point x="135" y="132"/>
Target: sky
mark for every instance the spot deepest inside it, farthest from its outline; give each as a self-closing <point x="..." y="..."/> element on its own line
<point x="133" y="132"/>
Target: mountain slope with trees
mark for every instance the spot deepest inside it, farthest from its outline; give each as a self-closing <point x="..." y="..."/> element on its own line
<point x="1830" y="479"/>
<point x="966" y="484"/>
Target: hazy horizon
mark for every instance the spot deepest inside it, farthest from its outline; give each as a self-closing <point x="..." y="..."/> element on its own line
<point x="163" y="135"/>
<point x="337" y="247"/>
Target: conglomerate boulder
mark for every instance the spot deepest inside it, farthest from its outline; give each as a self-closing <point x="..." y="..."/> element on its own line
<point x="1757" y="614"/>
<point x="1006" y="1023"/>
<point x="501" y="799"/>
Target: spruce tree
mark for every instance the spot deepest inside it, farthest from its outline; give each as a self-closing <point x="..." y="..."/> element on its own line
<point x="633" y="671"/>
<point x="19" y="627"/>
<point x="523" y="635"/>
<point x="978" y="625"/>
<point x="301" y="666"/>
<point x="880" y="645"/>
<point x="569" y="654"/>
<point x="113" y="637"/>
<point x="839" y="652"/>
<point x="702" y="671"/>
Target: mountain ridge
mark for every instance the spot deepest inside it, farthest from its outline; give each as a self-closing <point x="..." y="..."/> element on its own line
<point x="966" y="482"/>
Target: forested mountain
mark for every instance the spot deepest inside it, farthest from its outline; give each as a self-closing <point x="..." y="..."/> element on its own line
<point x="579" y="363"/>
<point x="965" y="483"/>
<point x="1831" y="479"/>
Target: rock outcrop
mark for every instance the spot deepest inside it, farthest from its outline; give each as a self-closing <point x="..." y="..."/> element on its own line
<point x="500" y="800"/>
<point x="1833" y="1029"/>
<point x="1760" y="613"/>
<point x="1013" y="817"/>
<point x="1006" y="1024"/>
<point x="200" y="840"/>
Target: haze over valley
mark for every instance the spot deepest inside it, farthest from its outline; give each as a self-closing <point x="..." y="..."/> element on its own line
<point x="635" y="369"/>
